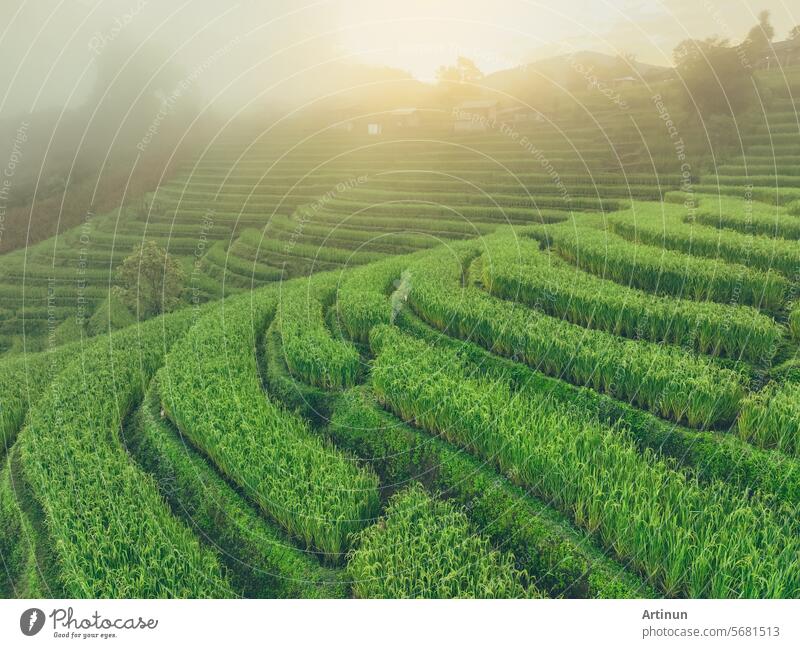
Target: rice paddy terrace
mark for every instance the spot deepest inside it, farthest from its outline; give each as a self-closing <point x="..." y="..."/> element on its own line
<point x="451" y="368"/>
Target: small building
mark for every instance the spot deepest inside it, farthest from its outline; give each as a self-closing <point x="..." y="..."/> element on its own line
<point x="625" y="82"/>
<point x="474" y="116"/>
<point x="517" y="115"/>
<point x="783" y="54"/>
<point x="397" y="121"/>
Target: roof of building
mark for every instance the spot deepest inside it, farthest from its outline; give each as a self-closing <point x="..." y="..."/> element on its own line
<point x="786" y="45"/>
<point x="479" y="103"/>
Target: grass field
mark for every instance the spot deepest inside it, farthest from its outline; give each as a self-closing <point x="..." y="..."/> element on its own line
<point x="418" y="367"/>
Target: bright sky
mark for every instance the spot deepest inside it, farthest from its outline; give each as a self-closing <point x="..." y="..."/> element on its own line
<point x="49" y="60"/>
<point x="419" y="35"/>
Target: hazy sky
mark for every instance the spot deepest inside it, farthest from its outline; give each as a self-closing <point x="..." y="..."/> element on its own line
<point x="51" y="48"/>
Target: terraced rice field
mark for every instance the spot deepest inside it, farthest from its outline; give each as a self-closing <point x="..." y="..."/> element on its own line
<point x="415" y="368"/>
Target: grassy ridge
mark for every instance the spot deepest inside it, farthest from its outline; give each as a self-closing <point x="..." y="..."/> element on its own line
<point x="662" y="271"/>
<point x="771" y="418"/>
<point x="666" y="380"/>
<point x="748" y="218"/>
<point x="261" y="561"/>
<point x="514" y="268"/>
<point x="22" y="381"/>
<point x="668" y="226"/>
<point x="692" y="539"/>
<point x="711" y="456"/>
<point x="309" y="350"/>
<point x="546" y="548"/>
<point x="212" y="392"/>
<point x="112" y="534"/>
<point x="423" y="548"/>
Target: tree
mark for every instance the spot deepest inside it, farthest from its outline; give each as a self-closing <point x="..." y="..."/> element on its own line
<point x="759" y="38"/>
<point x="458" y="82"/>
<point x="794" y="33"/>
<point x="715" y="78"/>
<point x="464" y="71"/>
<point x="151" y="281"/>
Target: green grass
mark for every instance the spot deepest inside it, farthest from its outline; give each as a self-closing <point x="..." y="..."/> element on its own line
<point x="513" y="268"/>
<point x="666" y="380"/>
<point x="691" y="539"/>
<point x="662" y="271"/>
<point x="212" y="392"/>
<point x="423" y="548"/>
<point x="553" y="555"/>
<point x="261" y="561"/>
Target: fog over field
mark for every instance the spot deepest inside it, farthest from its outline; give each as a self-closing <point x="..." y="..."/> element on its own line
<point x="286" y="52"/>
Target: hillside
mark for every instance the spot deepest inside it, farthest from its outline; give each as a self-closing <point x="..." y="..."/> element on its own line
<point x="553" y="361"/>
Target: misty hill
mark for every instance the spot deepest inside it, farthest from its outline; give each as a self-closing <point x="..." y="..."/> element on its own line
<point x="572" y="70"/>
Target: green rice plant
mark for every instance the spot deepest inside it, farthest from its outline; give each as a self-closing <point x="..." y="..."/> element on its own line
<point x="112" y="535"/>
<point x="257" y="246"/>
<point x="771" y="195"/>
<point x="362" y="299"/>
<point x="27" y="552"/>
<point x="664" y="272"/>
<point x="711" y="456"/>
<point x="262" y="562"/>
<point x="212" y="392"/>
<point x="514" y="268"/>
<point x="309" y="402"/>
<point x="583" y="196"/>
<point x="343" y="237"/>
<point x="311" y="353"/>
<point x="692" y="539"/>
<point x="748" y="217"/>
<point x="782" y="181"/>
<point x="668" y="226"/>
<point x="18" y="576"/>
<point x="545" y="546"/>
<point x="110" y="316"/>
<point x="454" y="227"/>
<point x="545" y="211"/>
<point x="424" y="548"/>
<point x="794" y="321"/>
<point x="666" y="380"/>
<point x="22" y="381"/>
<point x="771" y="418"/>
<point x="230" y="264"/>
